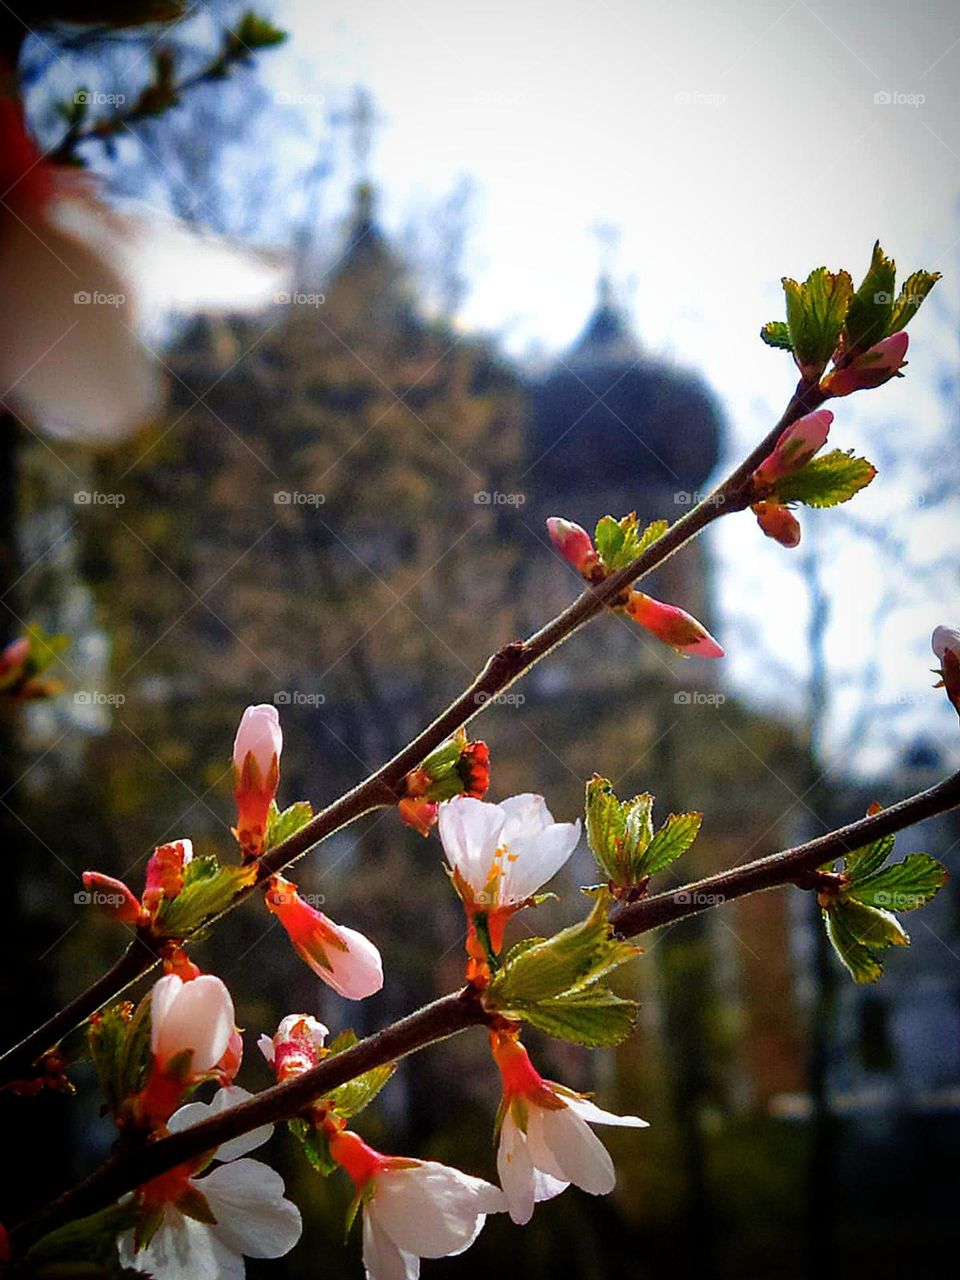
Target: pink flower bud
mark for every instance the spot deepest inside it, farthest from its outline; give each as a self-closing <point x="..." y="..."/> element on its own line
<point x="114" y="896"/>
<point x="165" y="873"/>
<point x="945" y="638"/>
<point x="256" y="773"/>
<point x="871" y="369"/>
<point x="946" y="645"/>
<point x="673" y="626"/>
<point x="342" y="957"/>
<point x="796" y="446"/>
<point x="296" y="1045"/>
<point x="574" y="544"/>
<point x="778" y="522"/>
<point x="192" y="1016"/>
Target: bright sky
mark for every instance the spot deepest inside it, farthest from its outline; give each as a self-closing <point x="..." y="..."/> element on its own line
<point x="731" y="143"/>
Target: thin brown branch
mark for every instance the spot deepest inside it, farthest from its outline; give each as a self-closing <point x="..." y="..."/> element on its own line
<point x="502" y="669"/>
<point x="464" y="1009"/>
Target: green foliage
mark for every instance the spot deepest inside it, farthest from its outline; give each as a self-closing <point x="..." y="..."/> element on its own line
<point x="815" y="315"/>
<point x="86" y="1247"/>
<point x="254" y="32"/>
<point x="827" y="481"/>
<point x="868" y="317"/>
<point x="621" y="835"/>
<point x="620" y="542"/>
<point x="119" y="1044"/>
<point x="858" y="914"/>
<point x="315" y="1145"/>
<point x="282" y="825"/>
<point x="554" y="983"/>
<point x="208" y="888"/>
<point x="776" y="333"/>
<point x="350" y="1098"/>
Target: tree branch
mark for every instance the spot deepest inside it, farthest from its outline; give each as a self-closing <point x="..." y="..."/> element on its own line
<point x="502" y="669"/>
<point x="457" y="1012"/>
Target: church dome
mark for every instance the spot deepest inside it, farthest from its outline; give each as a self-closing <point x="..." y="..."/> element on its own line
<point x="610" y="418"/>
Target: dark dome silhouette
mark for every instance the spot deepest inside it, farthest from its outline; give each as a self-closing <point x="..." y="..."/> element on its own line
<point x="608" y="416"/>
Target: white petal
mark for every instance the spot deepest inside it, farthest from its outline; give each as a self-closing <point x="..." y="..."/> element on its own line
<point x="164" y="992"/>
<point x="526" y="815"/>
<point x="259" y="732"/>
<point x="382" y="1259"/>
<point x="355" y="973"/>
<point x="253" y="1218"/>
<point x="945" y="638"/>
<point x="199" y="1017"/>
<point x="533" y="860"/>
<point x="267" y="1048"/>
<point x="432" y="1210"/>
<point x="183" y="1249"/>
<point x="577" y="1151"/>
<point x="587" y="1110"/>
<point x="231" y="1096"/>
<point x="469" y="832"/>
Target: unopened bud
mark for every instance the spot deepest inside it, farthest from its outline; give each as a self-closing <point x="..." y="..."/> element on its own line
<point x="871" y="369"/>
<point x="796" y="446"/>
<point x="575" y="545"/>
<point x="778" y="522"/>
<point x="673" y="626"/>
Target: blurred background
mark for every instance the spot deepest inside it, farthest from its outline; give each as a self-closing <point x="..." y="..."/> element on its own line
<point x="532" y="247"/>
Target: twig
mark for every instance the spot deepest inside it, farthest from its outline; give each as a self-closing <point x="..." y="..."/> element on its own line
<point x="502" y="669"/>
<point x="461" y="1010"/>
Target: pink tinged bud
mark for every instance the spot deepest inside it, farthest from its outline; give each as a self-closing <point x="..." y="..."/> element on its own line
<point x="778" y="522"/>
<point x="165" y="873"/>
<point x="872" y="369"/>
<point x="946" y="645"/>
<point x="796" y="446"/>
<point x="673" y="626"/>
<point x="114" y="896"/>
<point x="945" y="638"/>
<point x="296" y="1046"/>
<point x="574" y="544"/>
<point x="256" y="773"/>
<point x="343" y="958"/>
<point x="196" y="1016"/>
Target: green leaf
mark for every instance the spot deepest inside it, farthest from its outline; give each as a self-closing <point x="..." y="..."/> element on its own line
<point x="350" y="1098"/>
<point x="904" y="886"/>
<point x="863" y="862"/>
<point x="106" y="1038"/>
<point x="859" y="960"/>
<point x="594" y="1017"/>
<point x="912" y="295"/>
<point x="315" y="1145"/>
<point x="815" y="315"/>
<point x="620" y="542"/>
<point x="91" y="1240"/>
<point x="571" y="959"/>
<point x="871" y="307"/>
<point x="208" y="888"/>
<point x="255" y="32"/>
<point x="776" y="333"/>
<point x="672" y="841"/>
<point x="133" y="1063"/>
<point x="282" y="825"/>
<point x="826" y="481"/>
<point x="872" y="926"/>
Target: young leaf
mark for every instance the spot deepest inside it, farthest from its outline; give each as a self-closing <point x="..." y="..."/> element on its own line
<point x="208" y="888"/>
<point x="872" y="926"/>
<point x="864" y="862"/>
<point x="86" y="1247"/>
<point x="594" y="1017"/>
<point x="914" y="291"/>
<point x="106" y="1038"/>
<point x="776" y="333"/>
<point x="826" y="481"/>
<point x="672" y="841"/>
<point x="620" y="542"/>
<point x="815" y="315"/>
<point x="859" y="960"/>
<point x="904" y="886"/>
<point x="349" y="1098"/>
<point x="281" y="825"/>
<point x="871" y="307"/>
<point x="315" y="1146"/>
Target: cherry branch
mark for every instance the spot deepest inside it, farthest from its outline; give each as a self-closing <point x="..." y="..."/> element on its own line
<point x="464" y="1009"/>
<point x="385" y="786"/>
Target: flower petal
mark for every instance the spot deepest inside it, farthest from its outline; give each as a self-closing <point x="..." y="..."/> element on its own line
<point x="183" y="1249"/>
<point x="253" y="1217"/>
<point x="469" y="832"/>
<point x="575" y="1148"/>
<point x="381" y="1257"/>
<point x="523" y="1184"/>
<point x="231" y="1096"/>
<point x="432" y="1210"/>
<point x="590" y="1112"/>
<point x="199" y="1016"/>
<point x="355" y="973"/>
<point x="527" y="814"/>
<point x="532" y="860"/>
